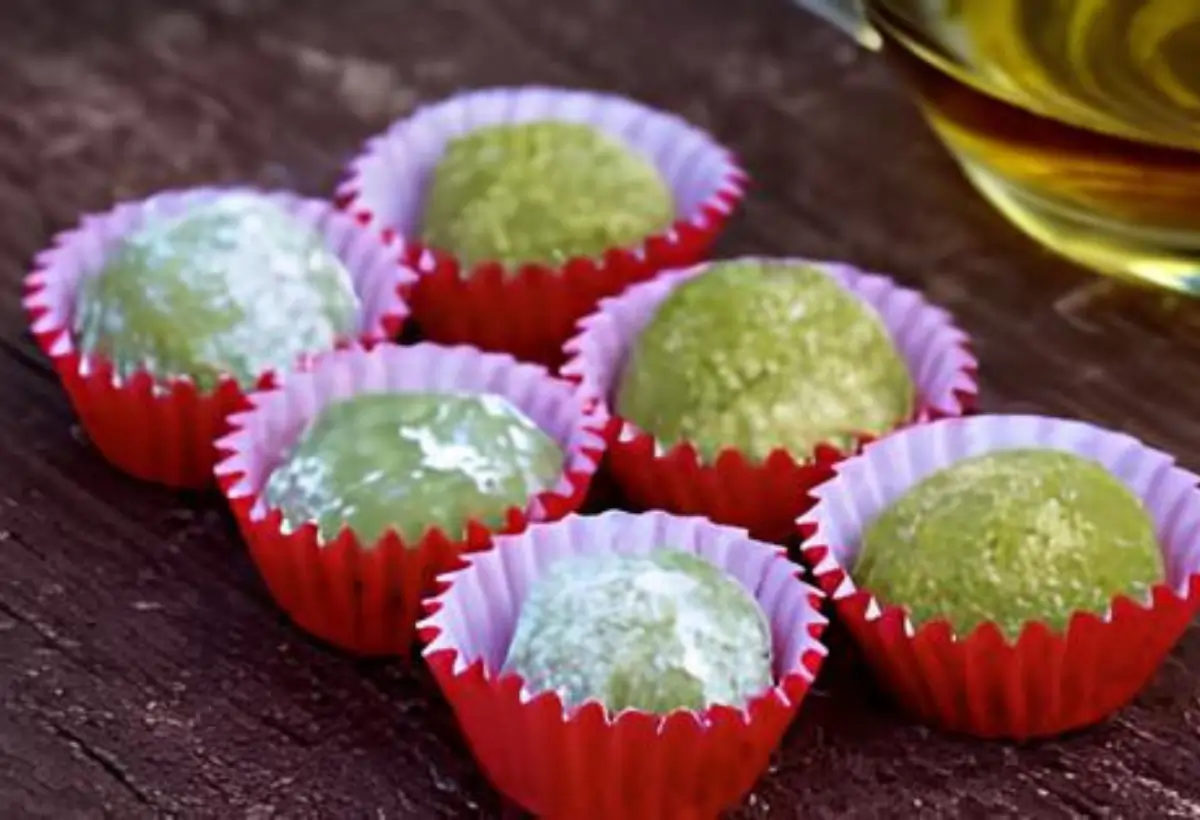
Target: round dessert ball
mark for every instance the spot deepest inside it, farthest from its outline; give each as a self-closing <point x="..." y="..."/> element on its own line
<point x="658" y="632"/>
<point x="235" y="286"/>
<point x="758" y="355"/>
<point x="1011" y="537"/>
<point x="413" y="461"/>
<point x="542" y="192"/>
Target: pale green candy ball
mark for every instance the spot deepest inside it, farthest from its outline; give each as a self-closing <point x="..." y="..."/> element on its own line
<point x="760" y="355"/>
<point x="658" y="632"/>
<point x="542" y="192"/>
<point x="413" y="461"/>
<point x="233" y="286"/>
<point x="1011" y="537"/>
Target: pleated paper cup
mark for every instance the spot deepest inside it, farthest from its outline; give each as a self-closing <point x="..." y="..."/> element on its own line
<point x="587" y="762"/>
<point x="163" y="430"/>
<point x="1047" y="681"/>
<point x="360" y="595"/>
<point x="529" y="312"/>
<point x="762" y="495"/>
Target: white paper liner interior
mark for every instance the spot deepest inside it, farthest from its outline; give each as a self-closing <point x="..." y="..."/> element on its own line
<point x="866" y="485"/>
<point x="82" y="252"/>
<point x="479" y="610"/>
<point x="391" y="177"/>
<point x="264" y="434"/>
<point x="931" y="345"/>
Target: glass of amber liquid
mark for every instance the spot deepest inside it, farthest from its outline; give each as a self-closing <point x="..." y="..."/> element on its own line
<point x="1078" y="119"/>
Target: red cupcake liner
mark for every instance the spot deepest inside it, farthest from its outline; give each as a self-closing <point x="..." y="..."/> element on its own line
<point x="763" y="496"/>
<point x="586" y="762"/>
<point x="365" y="596"/>
<point x="530" y="312"/>
<point x="163" y="430"/>
<point x="1047" y="681"/>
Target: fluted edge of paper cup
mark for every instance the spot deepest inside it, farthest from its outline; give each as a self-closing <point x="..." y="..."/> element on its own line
<point x="385" y="185"/>
<point x="1045" y="681"/>
<point x="709" y="757"/>
<point x="262" y="435"/>
<point x="379" y="278"/>
<point x="935" y="350"/>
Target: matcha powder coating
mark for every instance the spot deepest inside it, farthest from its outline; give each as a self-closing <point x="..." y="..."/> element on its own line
<point x="412" y="461"/>
<point x="542" y="192"/>
<point x="658" y="632"/>
<point x="1011" y="537"/>
<point x="235" y="286"/>
<point x="758" y="355"/>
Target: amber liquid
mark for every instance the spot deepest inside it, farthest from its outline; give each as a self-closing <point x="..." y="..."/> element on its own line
<point x="1078" y="119"/>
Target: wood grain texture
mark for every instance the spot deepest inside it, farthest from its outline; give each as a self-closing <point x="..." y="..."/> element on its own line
<point x="143" y="670"/>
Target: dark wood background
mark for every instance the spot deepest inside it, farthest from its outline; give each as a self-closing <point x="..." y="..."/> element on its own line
<point x="143" y="670"/>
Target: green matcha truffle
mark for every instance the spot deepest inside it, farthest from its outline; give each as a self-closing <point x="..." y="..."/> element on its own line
<point x="658" y="632"/>
<point x="542" y="192"/>
<point x="1011" y="537"/>
<point x="759" y="355"/>
<point x="413" y="461"/>
<point x="235" y="286"/>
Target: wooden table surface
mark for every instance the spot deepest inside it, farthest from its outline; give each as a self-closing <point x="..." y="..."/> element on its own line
<point x="143" y="670"/>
